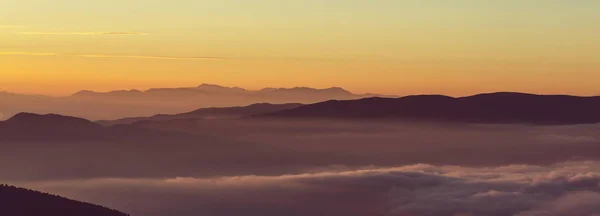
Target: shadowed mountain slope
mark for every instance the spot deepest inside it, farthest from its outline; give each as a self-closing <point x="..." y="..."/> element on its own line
<point x="210" y="113"/>
<point x="50" y="127"/>
<point x="24" y="202"/>
<point x="492" y="108"/>
<point x="36" y="147"/>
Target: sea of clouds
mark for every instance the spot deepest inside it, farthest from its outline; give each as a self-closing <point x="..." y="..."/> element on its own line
<point x="568" y="188"/>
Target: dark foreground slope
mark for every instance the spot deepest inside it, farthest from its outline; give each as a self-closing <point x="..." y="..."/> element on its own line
<point x="16" y="201"/>
<point x="211" y="113"/>
<point x="494" y="108"/>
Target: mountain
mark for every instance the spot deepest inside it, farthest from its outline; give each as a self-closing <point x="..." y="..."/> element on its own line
<point x="31" y="127"/>
<point x="219" y="89"/>
<point x="210" y="113"/>
<point x="52" y="129"/>
<point x="296" y="94"/>
<point x="11" y="104"/>
<point x="127" y="103"/>
<point x="503" y="107"/>
<point x="38" y="147"/>
<point x="24" y="202"/>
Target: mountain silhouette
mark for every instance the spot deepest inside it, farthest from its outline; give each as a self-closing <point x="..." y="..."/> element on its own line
<point x="52" y="128"/>
<point x="33" y="127"/>
<point x="128" y="103"/>
<point x="17" y="201"/>
<point x="502" y="107"/>
<point x="296" y="93"/>
<point x="210" y="113"/>
<point x="38" y="147"/>
<point x="333" y="91"/>
<point x="220" y="89"/>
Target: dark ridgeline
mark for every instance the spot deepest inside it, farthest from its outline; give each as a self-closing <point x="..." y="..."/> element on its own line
<point x="50" y="127"/>
<point x="54" y="146"/>
<point x="493" y="108"/>
<point x="53" y="129"/>
<point x="16" y="201"/>
<point x="236" y="112"/>
<point x="211" y="113"/>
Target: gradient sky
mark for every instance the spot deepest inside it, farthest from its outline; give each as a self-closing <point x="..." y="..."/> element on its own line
<point x="385" y="46"/>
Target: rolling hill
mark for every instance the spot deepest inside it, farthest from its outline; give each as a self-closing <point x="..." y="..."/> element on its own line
<point x="210" y="113"/>
<point x="49" y="127"/>
<point x="36" y="147"/>
<point x="492" y="108"/>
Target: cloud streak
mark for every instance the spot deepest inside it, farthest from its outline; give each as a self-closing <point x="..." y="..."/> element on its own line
<point x="11" y="26"/>
<point x="30" y="53"/>
<point x="83" y="33"/>
<point x="151" y="57"/>
<point x="113" y="56"/>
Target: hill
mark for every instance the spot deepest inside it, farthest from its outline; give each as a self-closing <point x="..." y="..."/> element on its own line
<point x="210" y="113"/>
<point x="24" y="202"/>
<point x="127" y="103"/>
<point x="49" y="127"/>
<point x="493" y="108"/>
<point x="55" y="146"/>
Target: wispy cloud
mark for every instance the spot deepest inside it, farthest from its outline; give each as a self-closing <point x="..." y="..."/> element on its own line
<point x="30" y="53"/>
<point x="12" y="26"/>
<point x="83" y="33"/>
<point x="124" y="33"/>
<point x="152" y="57"/>
<point x="115" y="56"/>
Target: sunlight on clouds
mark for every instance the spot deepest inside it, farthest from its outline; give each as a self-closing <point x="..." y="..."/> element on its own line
<point x="569" y="188"/>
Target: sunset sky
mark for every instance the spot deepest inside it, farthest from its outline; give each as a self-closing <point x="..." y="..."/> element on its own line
<point x="398" y="47"/>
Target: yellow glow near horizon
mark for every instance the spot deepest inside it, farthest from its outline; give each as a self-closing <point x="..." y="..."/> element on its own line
<point x="392" y="47"/>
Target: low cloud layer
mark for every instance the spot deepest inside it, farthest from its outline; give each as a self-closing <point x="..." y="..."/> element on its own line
<point x="565" y="139"/>
<point x="571" y="188"/>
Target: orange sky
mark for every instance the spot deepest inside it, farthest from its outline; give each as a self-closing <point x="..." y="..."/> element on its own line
<point x="391" y="47"/>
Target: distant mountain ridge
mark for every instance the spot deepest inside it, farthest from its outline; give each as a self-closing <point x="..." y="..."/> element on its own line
<point x="502" y="107"/>
<point x="17" y="201"/>
<point x="212" y="88"/>
<point x="129" y="103"/>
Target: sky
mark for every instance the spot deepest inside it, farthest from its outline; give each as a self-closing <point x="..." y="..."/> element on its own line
<point x="461" y="47"/>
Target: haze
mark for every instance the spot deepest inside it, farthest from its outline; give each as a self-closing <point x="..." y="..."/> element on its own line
<point x="300" y="108"/>
<point x="249" y="167"/>
<point x="388" y="47"/>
